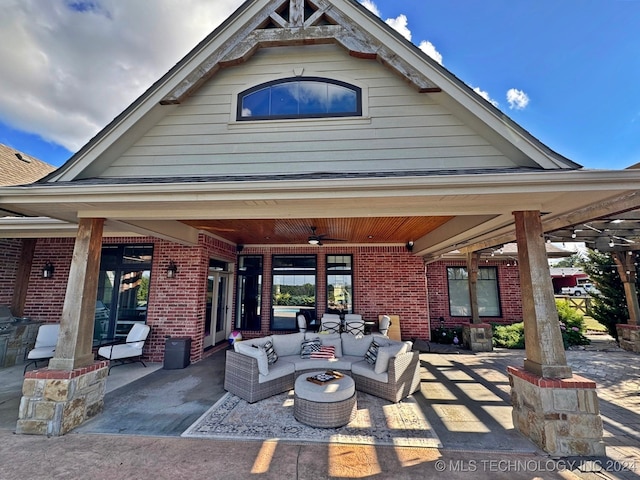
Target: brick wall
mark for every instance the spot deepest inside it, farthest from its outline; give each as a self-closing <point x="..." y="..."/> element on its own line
<point x="508" y="285"/>
<point x="10" y="249"/>
<point x="387" y="280"/>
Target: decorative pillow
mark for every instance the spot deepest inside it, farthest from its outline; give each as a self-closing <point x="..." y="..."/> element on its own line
<point x="326" y="352"/>
<point x="386" y="353"/>
<point x="255" y="352"/>
<point x="309" y="346"/>
<point x="272" y="356"/>
<point x="372" y="354"/>
<point x="334" y="340"/>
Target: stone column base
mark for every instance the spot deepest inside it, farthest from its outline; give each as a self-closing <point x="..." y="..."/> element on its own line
<point x="561" y="416"/>
<point x="629" y="337"/>
<point x="57" y="401"/>
<point x="477" y="337"/>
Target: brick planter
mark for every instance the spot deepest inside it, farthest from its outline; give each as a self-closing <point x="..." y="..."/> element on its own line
<point x="629" y="337"/>
<point x="55" y="402"/>
<point x="477" y="337"/>
<point x="561" y="416"/>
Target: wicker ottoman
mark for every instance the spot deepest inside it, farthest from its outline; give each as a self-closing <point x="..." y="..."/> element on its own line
<point x="330" y="405"/>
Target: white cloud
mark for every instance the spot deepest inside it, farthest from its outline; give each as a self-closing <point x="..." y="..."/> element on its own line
<point x="428" y="48"/>
<point x="372" y="7"/>
<point x="518" y="100"/>
<point x="400" y="24"/>
<point x="486" y="96"/>
<point x="68" y="67"/>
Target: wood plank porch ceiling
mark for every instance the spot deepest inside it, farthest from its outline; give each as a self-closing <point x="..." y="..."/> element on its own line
<point x="296" y="231"/>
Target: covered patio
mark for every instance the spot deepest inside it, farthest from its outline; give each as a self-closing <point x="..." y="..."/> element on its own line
<point x="465" y="397"/>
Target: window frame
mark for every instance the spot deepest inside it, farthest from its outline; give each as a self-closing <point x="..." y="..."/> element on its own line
<point x="466" y="280"/>
<point x="241" y="322"/>
<point x="292" y="271"/>
<point x="349" y="272"/>
<point x="240" y="97"/>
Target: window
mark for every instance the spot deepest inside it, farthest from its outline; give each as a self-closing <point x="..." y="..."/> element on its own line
<point x="123" y="290"/>
<point x="248" y="315"/>
<point x="293" y="289"/>
<point x="300" y="97"/>
<point x="488" y="293"/>
<point x="339" y="284"/>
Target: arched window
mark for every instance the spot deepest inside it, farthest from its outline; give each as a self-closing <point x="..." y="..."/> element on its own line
<point x="300" y="97"/>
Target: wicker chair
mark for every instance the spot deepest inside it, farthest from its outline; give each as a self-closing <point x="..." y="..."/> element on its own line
<point x="404" y="378"/>
<point x="241" y="379"/>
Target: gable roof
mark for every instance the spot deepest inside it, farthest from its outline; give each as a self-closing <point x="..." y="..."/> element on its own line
<point x="261" y="24"/>
<point x="478" y="203"/>
<point x="17" y="168"/>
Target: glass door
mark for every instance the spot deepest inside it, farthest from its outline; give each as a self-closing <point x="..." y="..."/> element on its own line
<point x="123" y="290"/>
<point x="217" y="319"/>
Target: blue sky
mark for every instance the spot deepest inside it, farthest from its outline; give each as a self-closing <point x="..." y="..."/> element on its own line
<point x="567" y="71"/>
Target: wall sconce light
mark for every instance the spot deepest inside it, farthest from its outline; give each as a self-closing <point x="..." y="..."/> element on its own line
<point x="410" y="246"/>
<point x="172" y="269"/>
<point x="47" y="270"/>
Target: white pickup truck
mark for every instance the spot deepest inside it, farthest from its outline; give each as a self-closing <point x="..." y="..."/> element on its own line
<point x="579" y="290"/>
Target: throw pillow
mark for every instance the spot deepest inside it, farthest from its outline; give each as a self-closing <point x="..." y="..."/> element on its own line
<point x="372" y="354"/>
<point x="326" y="352"/>
<point x="309" y="346"/>
<point x="272" y="356"/>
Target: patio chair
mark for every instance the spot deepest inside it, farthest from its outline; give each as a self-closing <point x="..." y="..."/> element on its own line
<point x="302" y="323"/>
<point x="354" y="324"/>
<point x="130" y="351"/>
<point x="385" y="323"/>
<point x="45" y="345"/>
<point x="330" y="323"/>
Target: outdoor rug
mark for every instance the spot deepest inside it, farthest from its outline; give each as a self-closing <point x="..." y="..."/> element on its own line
<point x="378" y="422"/>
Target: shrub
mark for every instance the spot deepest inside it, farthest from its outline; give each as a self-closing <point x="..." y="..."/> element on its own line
<point x="508" y="336"/>
<point x="571" y="327"/>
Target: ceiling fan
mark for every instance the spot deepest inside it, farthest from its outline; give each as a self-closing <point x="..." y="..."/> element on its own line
<point x="316" y="239"/>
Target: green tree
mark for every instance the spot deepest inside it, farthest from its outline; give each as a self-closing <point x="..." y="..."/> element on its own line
<point x="609" y="307"/>
<point x="575" y="260"/>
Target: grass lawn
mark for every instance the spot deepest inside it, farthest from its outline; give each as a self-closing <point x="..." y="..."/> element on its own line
<point x="593" y="325"/>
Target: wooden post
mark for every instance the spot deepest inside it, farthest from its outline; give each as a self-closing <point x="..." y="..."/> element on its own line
<point x="627" y="271"/>
<point x="545" y="355"/>
<point x="22" y="276"/>
<point x="296" y="13"/>
<point x="472" y="271"/>
<point x="75" y="340"/>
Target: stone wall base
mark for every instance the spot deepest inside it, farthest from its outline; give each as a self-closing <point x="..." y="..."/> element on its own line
<point x="629" y="337"/>
<point x="55" y="402"/>
<point x="561" y="416"/>
<point x="477" y="337"/>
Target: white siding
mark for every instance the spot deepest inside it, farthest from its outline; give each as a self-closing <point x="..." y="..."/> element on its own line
<point x="400" y="130"/>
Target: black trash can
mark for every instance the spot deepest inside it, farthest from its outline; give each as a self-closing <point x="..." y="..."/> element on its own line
<point x="177" y="352"/>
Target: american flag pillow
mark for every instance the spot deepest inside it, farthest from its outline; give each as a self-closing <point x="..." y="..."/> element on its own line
<point x="326" y="352"/>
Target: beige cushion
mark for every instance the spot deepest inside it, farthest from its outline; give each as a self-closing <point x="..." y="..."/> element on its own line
<point x="288" y="344"/>
<point x="356" y="346"/>
<point x="385" y="354"/>
<point x="258" y="353"/>
<point x="333" y="391"/>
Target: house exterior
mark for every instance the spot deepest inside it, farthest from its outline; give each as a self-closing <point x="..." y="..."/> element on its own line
<point x="303" y="157"/>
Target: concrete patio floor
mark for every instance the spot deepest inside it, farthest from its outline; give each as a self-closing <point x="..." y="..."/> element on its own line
<point x="465" y="397"/>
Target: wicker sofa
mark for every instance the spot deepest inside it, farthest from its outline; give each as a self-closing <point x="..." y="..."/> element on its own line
<point x="393" y="375"/>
